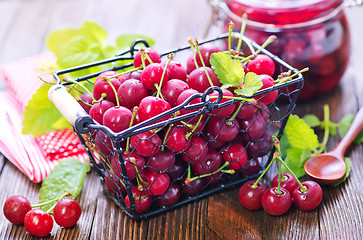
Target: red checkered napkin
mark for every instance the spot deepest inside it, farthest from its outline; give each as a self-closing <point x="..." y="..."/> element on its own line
<point x="35" y="157"/>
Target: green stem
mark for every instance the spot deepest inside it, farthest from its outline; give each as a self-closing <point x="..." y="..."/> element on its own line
<point x="103" y="96"/>
<point x="202" y="61"/>
<point x="263" y="173"/>
<point x="165" y="137"/>
<point x="326" y="130"/>
<point x="242" y="31"/>
<point x="114" y="91"/>
<point x="83" y="87"/>
<point x="162" y="77"/>
<point x="195" y="127"/>
<point x="134" y="112"/>
<point x="142" y="52"/>
<point x="302" y="187"/>
<point x="269" y="40"/>
<point x="230" y="29"/>
<point x="53" y="200"/>
<point x="194" y="54"/>
<point x="285" y="79"/>
<point x="278" y="164"/>
<point x="123" y="73"/>
<point x="209" y="174"/>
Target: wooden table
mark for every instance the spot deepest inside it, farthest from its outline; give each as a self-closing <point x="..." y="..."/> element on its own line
<point x="23" y="29"/>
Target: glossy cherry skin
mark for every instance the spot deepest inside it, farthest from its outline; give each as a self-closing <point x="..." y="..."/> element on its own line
<point x="178" y="170"/>
<point x="66" y="212"/>
<point x="184" y="96"/>
<point x="253" y="128"/>
<point x="275" y="203"/>
<point x="151" y="106"/>
<point x="262" y="64"/>
<point x="310" y="199"/>
<point x="198" y="79"/>
<point x="15" y="208"/>
<point x="236" y="155"/>
<point x="152" y="53"/>
<point x="114" y="185"/>
<point x="226" y="111"/>
<point x="288" y="182"/>
<point x="87" y="98"/>
<point x="248" y="110"/>
<point x="162" y="161"/>
<point x="142" y="200"/>
<point x="117" y="118"/>
<point x="155" y="183"/>
<point x="146" y="143"/>
<point x="133" y="163"/>
<point x="207" y="165"/>
<point x="102" y="86"/>
<point x="222" y="129"/>
<point x="153" y="74"/>
<point x="176" y="70"/>
<point x="38" y="223"/>
<point x="197" y="149"/>
<point x="131" y="75"/>
<point x="176" y="139"/>
<point x="270" y="97"/>
<point x="250" y="197"/>
<point x="260" y="147"/>
<point x="172" y="89"/>
<point x="193" y="187"/>
<point x="251" y="167"/>
<point x="170" y="197"/>
<point x="131" y="92"/>
<point x="98" y="110"/>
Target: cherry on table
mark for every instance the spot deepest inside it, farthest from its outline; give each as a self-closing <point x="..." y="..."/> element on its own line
<point x="308" y="199"/>
<point x="250" y="197"/>
<point x="275" y="203"/>
<point x="38" y="223"/>
<point x="287" y="181"/>
<point x="66" y="212"/>
<point x="15" y="208"/>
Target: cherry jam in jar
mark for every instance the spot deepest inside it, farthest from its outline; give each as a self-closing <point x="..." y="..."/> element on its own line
<point x="310" y="33"/>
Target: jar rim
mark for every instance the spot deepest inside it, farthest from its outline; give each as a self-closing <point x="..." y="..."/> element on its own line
<point x="289" y="16"/>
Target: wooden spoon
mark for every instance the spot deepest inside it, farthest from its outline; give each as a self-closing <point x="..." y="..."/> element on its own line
<point x="328" y="168"/>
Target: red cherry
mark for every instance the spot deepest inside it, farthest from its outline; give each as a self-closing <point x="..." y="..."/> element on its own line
<point x="262" y="64"/>
<point x="310" y="198"/>
<point x="153" y="75"/>
<point x="250" y="197"/>
<point x="131" y="92"/>
<point x="15" y="208"/>
<point x="141" y="198"/>
<point x="154" y="56"/>
<point x="117" y="118"/>
<point x="270" y="97"/>
<point x="146" y="143"/>
<point x="288" y="182"/>
<point x="236" y="155"/>
<point x="38" y="223"/>
<point x="275" y="203"/>
<point x="151" y="106"/>
<point x="66" y="212"/>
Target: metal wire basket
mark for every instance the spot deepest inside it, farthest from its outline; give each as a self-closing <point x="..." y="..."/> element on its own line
<point x="106" y="148"/>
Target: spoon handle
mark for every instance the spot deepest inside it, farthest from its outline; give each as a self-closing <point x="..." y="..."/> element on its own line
<point x="353" y="131"/>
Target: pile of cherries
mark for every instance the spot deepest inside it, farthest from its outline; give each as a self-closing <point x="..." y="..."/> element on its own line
<point x="285" y="189"/>
<point x="182" y="158"/>
<point x="18" y="210"/>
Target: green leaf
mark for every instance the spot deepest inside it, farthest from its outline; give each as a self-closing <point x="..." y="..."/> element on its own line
<point x="227" y="70"/>
<point x="93" y="33"/>
<point x="124" y="41"/>
<point x="299" y="134"/>
<point x="251" y="85"/>
<point x="40" y="113"/>
<point x="348" y="164"/>
<point x="312" y="120"/>
<point x="284" y="145"/>
<point x="57" y="38"/>
<point x="344" y="125"/>
<point x="67" y="176"/>
<point x="296" y="159"/>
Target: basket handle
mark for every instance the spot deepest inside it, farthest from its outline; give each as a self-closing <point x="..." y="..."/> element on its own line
<point x="70" y="108"/>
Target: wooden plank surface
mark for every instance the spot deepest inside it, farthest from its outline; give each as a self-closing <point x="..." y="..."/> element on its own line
<point x="25" y="25"/>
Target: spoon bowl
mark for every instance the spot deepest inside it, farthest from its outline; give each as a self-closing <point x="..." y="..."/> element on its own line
<point x="328" y="168"/>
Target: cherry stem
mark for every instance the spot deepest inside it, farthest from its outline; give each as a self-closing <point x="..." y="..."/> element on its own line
<point x="192" y="48"/>
<point x="230" y="29"/>
<point x="285" y="79"/>
<point x="134" y="112"/>
<point x="170" y="57"/>
<point x="263" y="173"/>
<point x="211" y="173"/>
<point x="165" y="137"/>
<point x="195" y="127"/>
<point x="78" y="99"/>
<point x="82" y="86"/>
<point x="253" y="101"/>
<point x="269" y="40"/>
<point x="142" y="56"/>
<point x="114" y="91"/>
<point x="123" y="73"/>
<point x="278" y="164"/>
<point x="53" y="200"/>
<point x="103" y="96"/>
<point x="202" y="61"/>
<point x="302" y="187"/>
<point x="322" y="145"/>
<point x="242" y="31"/>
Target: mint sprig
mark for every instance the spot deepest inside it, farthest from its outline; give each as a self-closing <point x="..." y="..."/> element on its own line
<point x="300" y="141"/>
<point x="231" y="74"/>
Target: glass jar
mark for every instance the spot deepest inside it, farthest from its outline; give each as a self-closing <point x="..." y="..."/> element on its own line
<point x="310" y="33"/>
